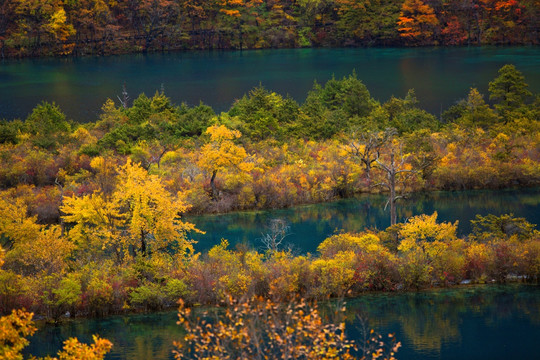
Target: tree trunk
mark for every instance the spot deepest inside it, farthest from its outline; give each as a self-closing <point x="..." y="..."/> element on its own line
<point x="393" y="215"/>
<point x="392" y="183"/>
<point x="367" y="164"/>
<point x="213" y="185"/>
<point x="143" y="243"/>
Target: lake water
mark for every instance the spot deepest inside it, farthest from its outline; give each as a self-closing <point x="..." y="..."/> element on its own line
<point x="487" y="322"/>
<point x="311" y="224"/>
<point x="81" y="85"/>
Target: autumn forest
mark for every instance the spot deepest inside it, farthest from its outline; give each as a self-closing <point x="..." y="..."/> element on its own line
<point x="93" y="214"/>
<point x="84" y="27"/>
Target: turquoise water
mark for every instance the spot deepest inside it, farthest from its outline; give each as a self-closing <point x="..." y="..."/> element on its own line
<point x="475" y="322"/>
<point x="311" y="224"/>
<point x="471" y="322"/>
<point x="81" y="85"/>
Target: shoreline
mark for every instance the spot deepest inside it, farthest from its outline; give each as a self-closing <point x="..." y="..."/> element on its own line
<point x="42" y="321"/>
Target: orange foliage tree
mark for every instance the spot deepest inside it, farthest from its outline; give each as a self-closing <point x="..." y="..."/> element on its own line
<point x="417" y="22"/>
<point x="257" y="328"/>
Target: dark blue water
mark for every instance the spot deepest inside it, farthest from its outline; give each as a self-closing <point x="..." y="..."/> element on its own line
<point x="487" y="322"/>
<point x="81" y="85"/>
<point x="310" y="225"/>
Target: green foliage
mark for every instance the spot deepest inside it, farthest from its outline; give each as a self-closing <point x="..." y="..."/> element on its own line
<point x="193" y="121"/>
<point x="492" y="227"/>
<point x="123" y="137"/>
<point x="148" y="295"/>
<point x="48" y="125"/>
<point x="141" y="110"/>
<point x="46" y="119"/>
<point x="334" y="108"/>
<point x="68" y="291"/>
<point x="176" y="289"/>
<point x="508" y="90"/>
<point x="406" y="116"/>
<point x="454" y="112"/>
<point x="91" y="150"/>
<point x="264" y="114"/>
<point x="472" y="112"/>
<point x="348" y="94"/>
<point x="9" y="131"/>
<point x="368" y="22"/>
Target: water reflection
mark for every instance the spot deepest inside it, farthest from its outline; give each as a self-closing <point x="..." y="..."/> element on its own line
<point x="218" y="78"/>
<point x="135" y="337"/>
<point x="475" y="322"/>
<point x="450" y="324"/>
<point x="310" y="225"/>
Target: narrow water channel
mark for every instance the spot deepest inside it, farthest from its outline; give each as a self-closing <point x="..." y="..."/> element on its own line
<point x="482" y="322"/>
<point x="311" y="224"/>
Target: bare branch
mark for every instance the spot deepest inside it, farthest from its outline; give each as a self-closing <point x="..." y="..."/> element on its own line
<point x="278" y="231"/>
<point x="382" y="184"/>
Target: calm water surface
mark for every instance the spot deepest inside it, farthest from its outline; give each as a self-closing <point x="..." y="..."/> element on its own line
<point x="81" y="85"/>
<point x="476" y="322"/>
<point x="310" y="225"/>
<point x="473" y="322"/>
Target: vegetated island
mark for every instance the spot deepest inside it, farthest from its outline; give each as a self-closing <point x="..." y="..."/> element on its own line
<point x="94" y="210"/>
<point x="60" y="28"/>
<point x="90" y="214"/>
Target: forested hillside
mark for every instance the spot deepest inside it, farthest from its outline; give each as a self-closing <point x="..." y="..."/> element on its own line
<point x="79" y="27"/>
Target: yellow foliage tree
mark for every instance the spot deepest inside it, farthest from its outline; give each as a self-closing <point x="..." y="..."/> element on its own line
<point x="140" y="214"/>
<point x="334" y="276"/>
<point x="427" y="247"/>
<point x="221" y="153"/>
<point x="154" y="214"/>
<point x="423" y="229"/>
<point x="16" y="327"/>
<point x="349" y="242"/>
<point x="32" y="248"/>
<point x="15" y="224"/>
<point x="98" y="223"/>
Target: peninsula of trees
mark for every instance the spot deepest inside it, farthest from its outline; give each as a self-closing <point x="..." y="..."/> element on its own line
<point x="91" y="215"/>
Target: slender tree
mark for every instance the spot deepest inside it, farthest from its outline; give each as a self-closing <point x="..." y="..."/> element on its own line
<point x="397" y="172"/>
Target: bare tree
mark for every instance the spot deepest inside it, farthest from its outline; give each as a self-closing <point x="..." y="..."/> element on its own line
<point x="124" y="100"/>
<point x="396" y="173"/>
<point x="278" y="230"/>
<point x="366" y="146"/>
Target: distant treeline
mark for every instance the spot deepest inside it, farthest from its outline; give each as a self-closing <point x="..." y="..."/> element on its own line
<point x="80" y="27"/>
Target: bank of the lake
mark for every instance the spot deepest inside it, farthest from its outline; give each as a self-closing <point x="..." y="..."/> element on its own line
<point x="440" y="75"/>
<point x="468" y="322"/>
